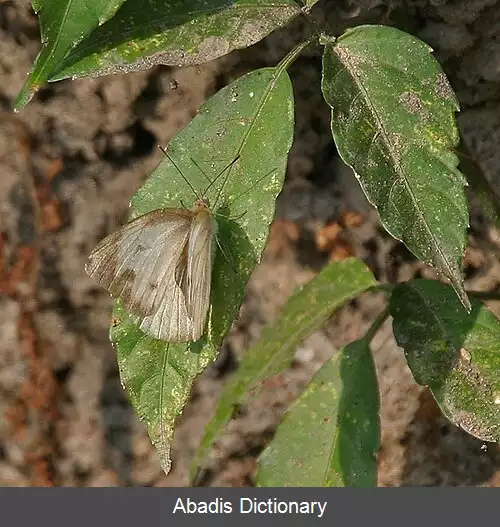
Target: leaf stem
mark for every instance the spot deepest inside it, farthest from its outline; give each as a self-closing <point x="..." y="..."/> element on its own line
<point x="290" y="58"/>
<point x="384" y="288"/>
<point x="376" y="325"/>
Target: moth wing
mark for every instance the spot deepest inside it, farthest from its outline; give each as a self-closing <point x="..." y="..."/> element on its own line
<point x="199" y="271"/>
<point x="138" y="261"/>
<point x="171" y="320"/>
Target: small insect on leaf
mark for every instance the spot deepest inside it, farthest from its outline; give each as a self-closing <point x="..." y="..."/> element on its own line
<point x="160" y="265"/>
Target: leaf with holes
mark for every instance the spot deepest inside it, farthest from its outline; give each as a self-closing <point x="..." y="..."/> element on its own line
<point x="456" y="354"/>
<point x="176" y="33"/>
<point x="393" y="122"/>
<point x="252" y="118"/>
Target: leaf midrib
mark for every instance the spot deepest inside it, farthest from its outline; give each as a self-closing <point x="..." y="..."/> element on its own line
<point x="36" y="79"/>
<point x="157" y="21"/>
<point x="399" y="169"/>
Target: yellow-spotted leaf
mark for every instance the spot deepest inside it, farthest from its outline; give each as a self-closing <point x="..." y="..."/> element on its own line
<point x="234" y="152"/>
<point x="173" y="32"/>
<point x="456" y="354"/>
<point x="393" y="121"/>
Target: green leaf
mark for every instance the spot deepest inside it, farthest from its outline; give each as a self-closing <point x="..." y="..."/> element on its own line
<point x="305" y="312"/>
<point x="174" y="32"/>
<point x="455" y="354"/>
<point x="157" y="376"/>
<point x="63" y="24"/>
<point x="253" y="118"/>
<point x="308" y="4"/>
<point x="393" y="122"/>
<point x="330" y="436"/>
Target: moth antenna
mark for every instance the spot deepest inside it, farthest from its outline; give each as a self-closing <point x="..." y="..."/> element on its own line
<point x="218" y="175"/>
<point x="180" y="172"/>
<point x="201" y="170"/>
<point x="212" y="181"/>
<point x="225" y="180"/>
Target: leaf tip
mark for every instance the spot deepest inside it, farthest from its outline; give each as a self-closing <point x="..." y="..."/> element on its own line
<point x="24" y="96"/>
<point x="166" y="463"/>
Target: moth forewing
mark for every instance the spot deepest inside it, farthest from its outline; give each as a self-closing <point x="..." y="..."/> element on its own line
<point x="161" y="249"/>
<point x="199" y="268"/>
<point x="171" y="321"/>
<point x="138" y="261"/>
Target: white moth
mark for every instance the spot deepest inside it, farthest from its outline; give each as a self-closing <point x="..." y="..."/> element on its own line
<point x="160" y="265"/>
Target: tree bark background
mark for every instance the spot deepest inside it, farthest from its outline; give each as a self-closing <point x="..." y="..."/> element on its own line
<point x="69" y="164"/>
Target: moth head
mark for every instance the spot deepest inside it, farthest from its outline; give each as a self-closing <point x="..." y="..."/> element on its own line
<point x="201" y="203"/>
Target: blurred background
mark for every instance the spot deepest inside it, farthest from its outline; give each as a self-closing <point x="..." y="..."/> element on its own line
<point x="69" y="164"/>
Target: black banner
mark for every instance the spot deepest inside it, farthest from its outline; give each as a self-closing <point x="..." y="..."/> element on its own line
<point x="248" y="506"/>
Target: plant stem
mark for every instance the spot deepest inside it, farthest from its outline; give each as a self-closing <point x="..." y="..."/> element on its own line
<point x="376" y="325"/>
<point x="384" y="288"/>
<point x="290" y="58"/>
